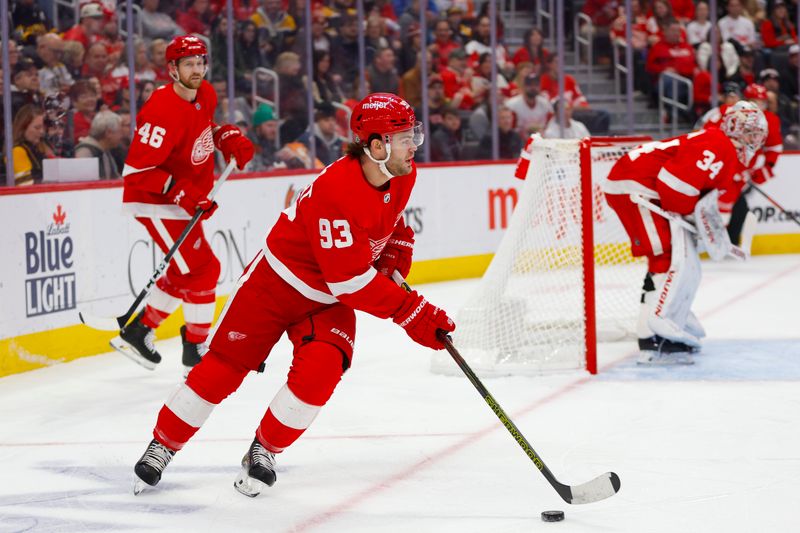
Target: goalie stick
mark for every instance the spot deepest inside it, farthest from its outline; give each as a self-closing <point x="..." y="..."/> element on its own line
<point x="789" y="214"/>
<point x="119" y="322"/>
<point x="734" y="251"/>
<point x="599" y="488"/>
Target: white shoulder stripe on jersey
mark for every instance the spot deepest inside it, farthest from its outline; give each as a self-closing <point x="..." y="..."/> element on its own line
<point x="127" y="169"/>
<point x="676" y="184"/>
<point x="168" y="211"/>
<point x="627" y="187"/>
<point x="354" y="284"/>
<point x="774" y="148"/>
<point x="296" y="283"/>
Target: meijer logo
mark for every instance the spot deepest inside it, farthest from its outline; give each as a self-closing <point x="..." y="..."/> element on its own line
<point x="48" y="253"/>
<point x="376" y="105"/>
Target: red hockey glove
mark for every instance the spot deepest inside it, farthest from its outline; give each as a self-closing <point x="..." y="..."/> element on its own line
<point x="190" y="199"/>
<point x="231" y="142"/>
<point x="422" y="319"/>
<point x="397" y="253"/>
<point x="761" y="175"/>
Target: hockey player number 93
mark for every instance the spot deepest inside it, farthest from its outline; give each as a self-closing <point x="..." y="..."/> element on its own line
<point x="154" y="138"/>
<point x="336" y="233"/>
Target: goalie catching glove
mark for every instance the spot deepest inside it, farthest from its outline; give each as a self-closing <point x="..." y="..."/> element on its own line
<point x="422" y="320"/>
<point x="397" y="253"/>
<point x="191" y="199"/>
<point x="232" y="143"/>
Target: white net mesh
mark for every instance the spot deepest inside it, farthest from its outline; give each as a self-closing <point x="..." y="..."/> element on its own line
<point x="527" y="315"/>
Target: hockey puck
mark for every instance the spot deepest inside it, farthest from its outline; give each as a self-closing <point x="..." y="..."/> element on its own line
<point x="552" y="516"/>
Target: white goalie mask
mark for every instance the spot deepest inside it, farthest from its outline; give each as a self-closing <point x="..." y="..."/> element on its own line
<point x="746" y="126"/>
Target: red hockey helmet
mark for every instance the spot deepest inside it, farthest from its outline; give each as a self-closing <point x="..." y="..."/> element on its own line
<point x="186" y="46"/>
<point x="755" y="91"/>
<point x="382" y="114"/>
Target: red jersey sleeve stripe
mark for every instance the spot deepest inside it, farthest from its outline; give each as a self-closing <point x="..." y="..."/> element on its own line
<point x="297" y="284"/>
<point x="353" y="284"/>
<point x="676" y="184"/>
<point x="628" y="187"/>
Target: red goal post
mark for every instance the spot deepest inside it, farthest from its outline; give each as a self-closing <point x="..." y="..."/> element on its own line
<point x="563" y="278"/>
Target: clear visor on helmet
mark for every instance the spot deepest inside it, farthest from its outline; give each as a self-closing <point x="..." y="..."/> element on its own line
<point x="413" y="137"/>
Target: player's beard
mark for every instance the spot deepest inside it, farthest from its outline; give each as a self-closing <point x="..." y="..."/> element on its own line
<point x="192" y="82"/>
<point x="400" y="167"/>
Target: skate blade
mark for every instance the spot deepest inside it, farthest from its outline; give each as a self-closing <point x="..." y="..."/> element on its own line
<point x="652" y="359"/>
<point x="247" y="485"/>
<point x="125" y="349"/>
<point x="139" y="486"/>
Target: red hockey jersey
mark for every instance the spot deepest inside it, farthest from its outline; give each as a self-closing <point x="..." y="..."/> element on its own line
<point x="677" y="171"/>
<point x="173" y="142"/>
<point x="324" y="244"/>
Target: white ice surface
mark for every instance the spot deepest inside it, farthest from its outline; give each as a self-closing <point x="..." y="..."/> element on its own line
<point x="714" y="447"/>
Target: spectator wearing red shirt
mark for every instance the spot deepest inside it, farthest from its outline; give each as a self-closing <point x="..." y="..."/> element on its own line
<point x="97" y="66"/>
<point x="532" y="51"/>
<point x="670" y="54"/>
<point x="88" y="30"/>
<point x="673" y="55"/>
<point x="778" y="30"/>
<point x="196" y="19"/>
<point x="457" y="79"/>
<point x="443" y="42"/>
<point x="602" y="13"/>
<point x="683" y="10"/>
<point x="598" y="121"/>
<point x="84" y="102"/>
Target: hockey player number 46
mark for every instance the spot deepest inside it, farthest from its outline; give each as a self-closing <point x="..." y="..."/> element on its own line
<point x="334" y="233"/>
<point x="154" y="138"/>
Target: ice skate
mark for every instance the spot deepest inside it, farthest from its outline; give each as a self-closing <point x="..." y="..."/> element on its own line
<point x="135" y="341"/>
<point x="192" y="353"/>
<point x="658" y="351"/>
<point x="151" y="465"/>
<point x="258" y="469"/>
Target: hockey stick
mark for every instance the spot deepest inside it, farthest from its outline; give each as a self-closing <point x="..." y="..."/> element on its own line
<point x="599" y="488"/>
<point x="773" y="202"/>
<point x="734" y="251"/>
<point x="119" y="322"/>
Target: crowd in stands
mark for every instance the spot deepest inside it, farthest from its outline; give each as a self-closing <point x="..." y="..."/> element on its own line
<point x="70" y="79"/>
<point x="757" y="44"/>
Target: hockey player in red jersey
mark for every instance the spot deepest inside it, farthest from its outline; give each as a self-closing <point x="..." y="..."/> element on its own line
<point x="168" y="173"/>
<point x="674" y="175"/>
<point x="328" y="254"/>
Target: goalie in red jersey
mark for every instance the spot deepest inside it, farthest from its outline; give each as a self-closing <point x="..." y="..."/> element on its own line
<point x="331" y="252"/>
<point x="651" y="189"/>
<point x="168" y="173"/>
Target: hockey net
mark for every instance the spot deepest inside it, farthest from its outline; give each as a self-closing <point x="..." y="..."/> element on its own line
<point x="553" y="290"/>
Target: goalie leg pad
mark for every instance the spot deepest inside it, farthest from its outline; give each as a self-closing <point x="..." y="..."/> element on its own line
<point x="676" y="289"/>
